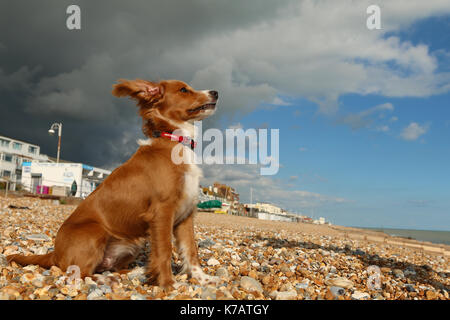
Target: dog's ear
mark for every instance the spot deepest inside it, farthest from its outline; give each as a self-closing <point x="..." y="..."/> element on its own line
<point x="141" y="90"/>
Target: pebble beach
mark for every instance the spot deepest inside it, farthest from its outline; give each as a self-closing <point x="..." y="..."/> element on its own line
<point x="254" y="259"/>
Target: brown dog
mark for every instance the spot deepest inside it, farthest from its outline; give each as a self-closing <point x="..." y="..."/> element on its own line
<point x="149" y="196"/>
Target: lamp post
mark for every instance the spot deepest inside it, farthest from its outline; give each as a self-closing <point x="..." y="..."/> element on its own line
<point x="51" y="131"/>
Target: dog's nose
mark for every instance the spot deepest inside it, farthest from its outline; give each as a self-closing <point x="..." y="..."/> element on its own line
<point x="214" y="94"/>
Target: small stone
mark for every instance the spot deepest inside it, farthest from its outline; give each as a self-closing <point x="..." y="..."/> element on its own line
<point x="3" y="261"/>
<point x="409" y="272"/>
<point x="41" y="251"/>
<point x="94" y="294"/>
<point x="431" y="295"/>
<point x="4" y="296"/>
<point x="329" y="295"/>
<point x="301" y="285"/>
<point x="286" y="295"/>
<point x="250" y="284"/>
<point x="213" y="262"/>
<point x="10" y="291"/>
<point x="222" y="272"/>
<point x="266" y="279"/>
<point x="38" y="237"/>
<point x="398" y="273"/>
<point x="357" y="295"/>
<point x="30" y="267"/>
<point x="378" y="296"/>
<point x="285" y="269"/>
<point x="41" y="292"/>
<point x="337" y="291"/>
<point x="339" y="282"/>
<point x="27" y="277"/>
<point x="105" y="288"/>
<point x="206" y="243"/>
<point x="253" y="274"/>
<point x="138" y="296"/>
<point x="37" y="283"/>
<point x="73" y="292"/>
<point x="286" y="287"/>
<point x="92" y="287"/>
<point x="234" y="262"/>
<point x="410" y="288"/>
<point x="274" y="261"/>
<point x="235" y="257"/>
<point x="54" y="292"/>
<point x="208" y="294"/>
<point x="137" y="275"/>
<point x="55" y="271"/>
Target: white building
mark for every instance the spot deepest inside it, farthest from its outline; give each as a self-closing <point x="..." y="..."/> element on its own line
<point x="59" y="178"/>
<point x="266" y="211"/>
<point x="275" y="217"/>
<point x="321" y="220"/>
<point x="267" y="207"/>
<point x="12" y="154"/>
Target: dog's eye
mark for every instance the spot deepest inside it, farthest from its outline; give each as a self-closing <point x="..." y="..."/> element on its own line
<point x="184" y="90"/>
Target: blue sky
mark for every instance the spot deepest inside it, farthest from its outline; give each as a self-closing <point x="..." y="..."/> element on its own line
<point x="389" y="181"/>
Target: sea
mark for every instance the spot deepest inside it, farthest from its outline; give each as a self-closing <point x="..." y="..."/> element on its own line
<point x="420" y="235"/>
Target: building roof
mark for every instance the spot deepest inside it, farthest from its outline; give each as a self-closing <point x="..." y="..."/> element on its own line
<point x="12" y="139"/>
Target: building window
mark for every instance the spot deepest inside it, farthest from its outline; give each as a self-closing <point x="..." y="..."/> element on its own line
<point x="17" y="146"/>
<point x="4" y="143"/>
<point x="8" y="157"/>
<point x="32" y="149"/>
<point x="6" y="173"/>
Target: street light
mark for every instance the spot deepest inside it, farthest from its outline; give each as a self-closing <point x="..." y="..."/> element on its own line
<point x="51" y="131"/>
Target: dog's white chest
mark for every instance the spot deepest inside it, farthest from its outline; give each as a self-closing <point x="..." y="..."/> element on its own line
<point x="190" y="192"/>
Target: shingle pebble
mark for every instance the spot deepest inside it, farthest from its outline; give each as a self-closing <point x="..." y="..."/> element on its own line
<point x="253" y="259"/>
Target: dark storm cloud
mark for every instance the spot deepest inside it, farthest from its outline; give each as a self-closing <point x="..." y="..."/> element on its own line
<point x="48" y="73"/>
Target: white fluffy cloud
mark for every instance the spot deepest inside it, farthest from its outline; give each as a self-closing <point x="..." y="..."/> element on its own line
<point x="414" y="131"/>
<point x="266" y="188"/>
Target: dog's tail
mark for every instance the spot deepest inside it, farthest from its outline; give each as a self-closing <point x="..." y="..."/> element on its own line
<point x="45" y="260"/>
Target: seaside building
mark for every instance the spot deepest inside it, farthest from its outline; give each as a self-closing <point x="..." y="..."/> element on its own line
<point x="269" y="208"/>
<point x="22" y="166"/>
<point x="12" y="154"/>
<point x="321" y="220"/>
<point x="267" y="211"/>
<point x="225" y="194"/>
<point x="61" y="179"/>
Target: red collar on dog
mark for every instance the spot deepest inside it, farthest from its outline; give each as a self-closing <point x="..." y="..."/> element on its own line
<point x="187" y="141"/>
